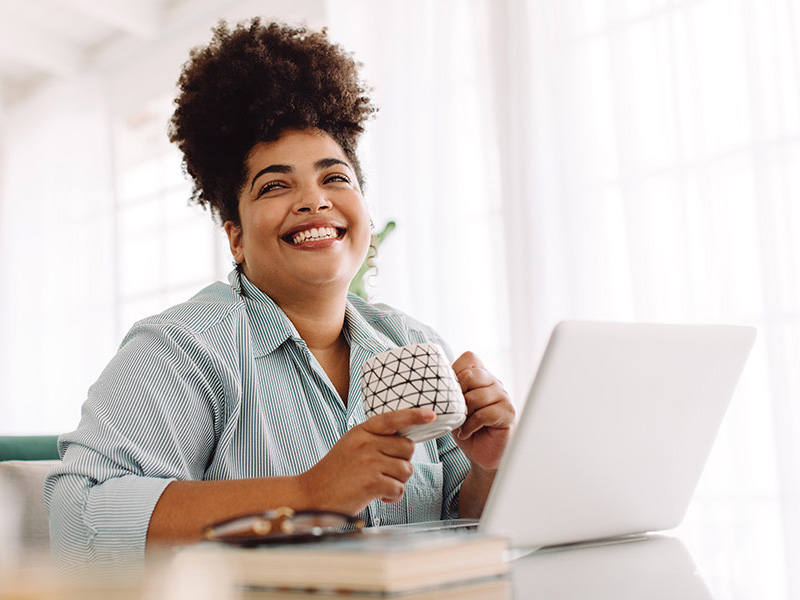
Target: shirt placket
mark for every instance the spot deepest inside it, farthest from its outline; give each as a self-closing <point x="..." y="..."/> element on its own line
<point x="325" y="385"/>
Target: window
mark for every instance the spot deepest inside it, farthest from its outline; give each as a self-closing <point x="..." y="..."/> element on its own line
<point x="166" y="248"/>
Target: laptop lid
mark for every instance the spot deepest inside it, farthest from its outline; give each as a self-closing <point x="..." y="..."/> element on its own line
<point x="617" y="427"/>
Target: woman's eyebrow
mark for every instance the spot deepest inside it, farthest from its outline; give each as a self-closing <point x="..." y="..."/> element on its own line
<point x="271" y="169"/>
<point x="326" y="163"/>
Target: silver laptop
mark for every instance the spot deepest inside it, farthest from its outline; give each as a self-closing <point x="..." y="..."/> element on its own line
<point x="617" y="427"/>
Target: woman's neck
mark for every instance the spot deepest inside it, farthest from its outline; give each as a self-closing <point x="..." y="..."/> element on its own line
<point x="321" y="324"/>
<point x="316" y="311"/>
<point x="317" y="314"/>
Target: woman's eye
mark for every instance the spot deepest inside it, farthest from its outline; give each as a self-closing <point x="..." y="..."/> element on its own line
<point x="270" y="187"/>
<point x="337" y="178"/>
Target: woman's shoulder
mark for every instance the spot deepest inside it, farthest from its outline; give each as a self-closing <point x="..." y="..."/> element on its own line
<point x="215" y="306"/>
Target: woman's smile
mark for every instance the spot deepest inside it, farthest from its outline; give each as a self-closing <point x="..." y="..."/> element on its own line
<point x="310" y="235"/>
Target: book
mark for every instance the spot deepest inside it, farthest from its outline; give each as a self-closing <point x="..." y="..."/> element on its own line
<point x="374" y="561"/>
<point x="494" y="588"/>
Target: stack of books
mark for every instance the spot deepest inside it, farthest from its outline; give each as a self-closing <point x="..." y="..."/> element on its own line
<point x="372" y="562"/>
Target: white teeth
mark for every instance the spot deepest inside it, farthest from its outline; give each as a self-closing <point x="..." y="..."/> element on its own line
<point x="321" y="233"/>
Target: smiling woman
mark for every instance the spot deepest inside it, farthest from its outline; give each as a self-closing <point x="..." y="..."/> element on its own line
<point x="241" y="399"/>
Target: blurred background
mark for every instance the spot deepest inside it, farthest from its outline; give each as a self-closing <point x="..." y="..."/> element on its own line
<point x="633" y="160"/>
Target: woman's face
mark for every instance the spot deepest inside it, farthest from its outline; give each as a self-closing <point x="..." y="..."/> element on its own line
<point x="304" y="223"/>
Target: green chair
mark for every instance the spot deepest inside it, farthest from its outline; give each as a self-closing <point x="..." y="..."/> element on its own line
<point x="28" y="447"/>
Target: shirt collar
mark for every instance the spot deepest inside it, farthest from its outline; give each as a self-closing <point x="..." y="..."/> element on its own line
<point x="359" y="332"/>
<point x="269" y="325"/>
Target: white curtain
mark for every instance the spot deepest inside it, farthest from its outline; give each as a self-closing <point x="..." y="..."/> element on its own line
<point x="618" y="160"/>
<point x="665" y="153"/>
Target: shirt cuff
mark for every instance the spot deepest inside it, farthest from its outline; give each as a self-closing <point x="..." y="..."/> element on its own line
<point x="118" y="515"/>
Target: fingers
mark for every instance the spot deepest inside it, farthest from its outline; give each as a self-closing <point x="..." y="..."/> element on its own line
<point x="390" y="477"/>
<point x="488" y="403"/>
<point x="394" y="468"/>
<point x="391" y="422"/>
<point x="399" y="470"/>
<point x="495" y="416"/>
<point x="488" y="406"/>
<point x="393" y="490"/>
<point x="361" y="467"/>
<point x="397" y="446"/>
<point x="480" y="387"/>
<point x="468" y="360"/>
<point x="475" y="377"/>
<point x="385" y="473"/>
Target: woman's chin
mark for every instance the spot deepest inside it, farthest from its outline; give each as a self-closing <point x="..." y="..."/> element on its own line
<point x="324" y="282"/>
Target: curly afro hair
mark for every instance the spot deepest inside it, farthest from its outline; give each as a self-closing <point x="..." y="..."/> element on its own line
<point x="247" y="86"/>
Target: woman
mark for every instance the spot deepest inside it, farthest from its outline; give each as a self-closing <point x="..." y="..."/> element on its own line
<point x="246" y="397"/>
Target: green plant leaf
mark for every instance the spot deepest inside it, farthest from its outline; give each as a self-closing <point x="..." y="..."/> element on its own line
<point x="358" y="285"/>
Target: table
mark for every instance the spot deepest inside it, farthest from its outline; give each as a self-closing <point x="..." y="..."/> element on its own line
<point x="655" y="567"/>
<point x="652" y="567"/>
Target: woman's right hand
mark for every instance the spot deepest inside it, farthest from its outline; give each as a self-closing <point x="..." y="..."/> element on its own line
<point x="370" y="461"/>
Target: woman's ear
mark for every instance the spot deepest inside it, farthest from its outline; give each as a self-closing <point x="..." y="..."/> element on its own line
<point x="234" y="233"/>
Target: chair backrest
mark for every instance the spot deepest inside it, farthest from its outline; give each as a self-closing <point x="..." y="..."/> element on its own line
<point x="23" y="517"/>
<point x="28" y="447"/>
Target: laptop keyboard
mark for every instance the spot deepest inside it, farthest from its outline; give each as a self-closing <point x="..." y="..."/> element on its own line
<point x="448" y="524"/>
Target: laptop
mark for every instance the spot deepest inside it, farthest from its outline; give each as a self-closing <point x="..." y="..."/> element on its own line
<point x="617" y="427"/>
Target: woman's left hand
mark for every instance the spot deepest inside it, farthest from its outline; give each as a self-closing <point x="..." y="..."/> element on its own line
<point x="490" y="414"/>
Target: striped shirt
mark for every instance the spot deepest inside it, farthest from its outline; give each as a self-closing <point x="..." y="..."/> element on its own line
<point x="223" y="387"/>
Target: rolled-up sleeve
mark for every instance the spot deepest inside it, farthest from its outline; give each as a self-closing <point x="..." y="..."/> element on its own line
<point x="151" y="418"/>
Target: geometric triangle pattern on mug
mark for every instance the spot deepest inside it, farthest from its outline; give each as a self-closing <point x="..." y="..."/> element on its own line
<point x="415" y="376"/>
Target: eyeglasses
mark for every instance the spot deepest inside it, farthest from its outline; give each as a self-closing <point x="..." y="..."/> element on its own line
<point x="281" y="526"/>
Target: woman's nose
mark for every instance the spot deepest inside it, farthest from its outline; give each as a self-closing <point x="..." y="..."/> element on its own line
<point x="312" y="201"/>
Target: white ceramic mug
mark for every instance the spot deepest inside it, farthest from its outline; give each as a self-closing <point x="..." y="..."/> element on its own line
<point x="414" y="376"/>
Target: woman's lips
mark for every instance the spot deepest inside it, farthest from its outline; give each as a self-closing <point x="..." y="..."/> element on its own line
<point x="315" y="234"/>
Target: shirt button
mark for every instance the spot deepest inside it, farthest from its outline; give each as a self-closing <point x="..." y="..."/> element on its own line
<point x="376" y="521"/>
